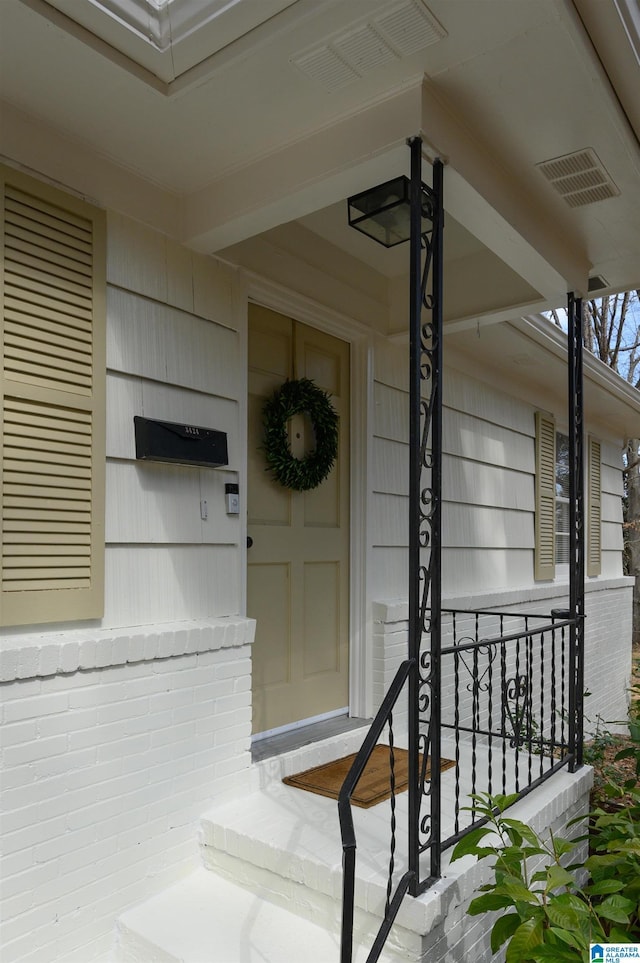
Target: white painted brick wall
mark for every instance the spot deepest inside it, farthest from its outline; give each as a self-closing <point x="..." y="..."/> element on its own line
<point x="106" y="771"/>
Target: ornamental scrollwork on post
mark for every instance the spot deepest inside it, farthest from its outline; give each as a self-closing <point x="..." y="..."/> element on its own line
<point x="428" y="508"/>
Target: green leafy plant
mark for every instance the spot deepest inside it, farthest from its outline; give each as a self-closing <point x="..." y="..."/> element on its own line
<point x="633" y="750"/>
<point x="597" y="749"/>
<point x="553" y="911"/>
<point x="599" y="752"/>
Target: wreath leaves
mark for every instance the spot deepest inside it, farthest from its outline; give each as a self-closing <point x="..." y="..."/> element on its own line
<point x="293" y="397"/>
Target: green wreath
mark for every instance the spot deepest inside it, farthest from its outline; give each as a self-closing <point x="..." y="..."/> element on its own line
<point x="293" y="397"/>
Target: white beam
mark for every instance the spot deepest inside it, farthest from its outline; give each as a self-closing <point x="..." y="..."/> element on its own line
<point x="485" y="195"/>
<point x="312" y="173"/>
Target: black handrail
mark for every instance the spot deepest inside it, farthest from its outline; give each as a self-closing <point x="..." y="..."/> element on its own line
<point x="511" y="637"/>
<point x="347" y="830"/>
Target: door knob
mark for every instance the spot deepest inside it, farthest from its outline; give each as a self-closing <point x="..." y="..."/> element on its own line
<point x="249" y="541"/>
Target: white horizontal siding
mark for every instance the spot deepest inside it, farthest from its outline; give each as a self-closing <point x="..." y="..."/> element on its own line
<point x="464" y="571"/>
<point x="463" y="525"/>
<point x="156" y="267"/>
<point x="483" y="441"/>
<point x="612" y="508"/>
<point x="477" y="527"/>
<point x="124" y="400"/>
<point x="463" y="480"/>
<point x="149" y="584"/>
<point x="492" y="485"/>
<point x="390" y="413"/>
<point x="153" y="503"/>
<point x="389" y="573"/>
<point x="486" y="402"/>
<point x="390" y="466"/>
<point x="463" y="433"/>
<point x="168" y="345"/>
<point x="390" y="520"/>
<point x="611" y="537"/>
<point x="391" y="364"/>
<point x="488" y="483"/>
<point x="173" y="354"/>
<point x="136" y="258"/>
<point x="611" y="454"/>
<point x="611" y="565"/>
<point x="612" y="479"/>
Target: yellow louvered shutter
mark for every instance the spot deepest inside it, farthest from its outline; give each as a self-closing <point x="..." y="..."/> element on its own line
<point x="545" y="551"/>
<point x="53" y="405"/>
<point x="594" y="508"/>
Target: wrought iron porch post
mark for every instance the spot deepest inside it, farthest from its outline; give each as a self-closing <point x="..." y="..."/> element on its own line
<point x="415" y="634"/>
<point x="576" y="526"/>
<point x="425" y="512"/>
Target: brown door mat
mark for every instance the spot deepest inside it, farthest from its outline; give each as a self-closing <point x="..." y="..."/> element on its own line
<point x="373" y="786"/>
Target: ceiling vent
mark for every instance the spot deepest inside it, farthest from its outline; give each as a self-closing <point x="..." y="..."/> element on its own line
<point x="398" y="32"/>
<point x="579" y="178"/>
<point x="597" y="283"/>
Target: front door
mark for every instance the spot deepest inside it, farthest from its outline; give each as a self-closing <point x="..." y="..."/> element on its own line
<point x="298" y="560"/>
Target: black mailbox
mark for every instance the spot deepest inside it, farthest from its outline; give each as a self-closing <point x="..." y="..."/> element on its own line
<point x="180" y="444"/>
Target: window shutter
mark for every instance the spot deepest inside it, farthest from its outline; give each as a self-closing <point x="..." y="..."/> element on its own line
<point x="594" y="509"/>
<point x="544" y="553"/>
<point x="52" y="386"/>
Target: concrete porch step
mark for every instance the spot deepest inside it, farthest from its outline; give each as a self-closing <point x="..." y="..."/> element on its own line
<point x="207" y="919"/>
<point x="270" y="889"/>
<point x="284" y="844"/>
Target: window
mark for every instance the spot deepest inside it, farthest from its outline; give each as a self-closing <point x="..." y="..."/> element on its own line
<point x="552" y="501"/>
<point x="52" y="394"/>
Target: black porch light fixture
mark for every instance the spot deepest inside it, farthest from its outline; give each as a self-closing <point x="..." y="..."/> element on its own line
<point x="384" y="212"/>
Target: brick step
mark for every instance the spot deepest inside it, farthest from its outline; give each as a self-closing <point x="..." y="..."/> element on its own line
<point x="273" y="872"/>
<point x="206" y="919"/>
<point x="284" y="844"/>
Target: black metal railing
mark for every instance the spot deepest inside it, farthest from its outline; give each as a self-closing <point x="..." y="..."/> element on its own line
<point x="508" y="689"/>
<point x="506" y="725"/>
<point x="394" y="897"/>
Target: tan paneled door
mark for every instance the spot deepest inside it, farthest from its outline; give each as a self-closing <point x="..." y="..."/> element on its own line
<point x="298" y="560"/>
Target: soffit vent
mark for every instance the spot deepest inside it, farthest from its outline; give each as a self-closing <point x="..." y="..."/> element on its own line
<point x="367" y="45"/>
<point x="597" y="283"/>
<point x="579" y="178"/>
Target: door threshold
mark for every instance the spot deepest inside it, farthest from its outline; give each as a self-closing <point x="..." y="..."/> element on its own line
<point x="275" y="745"/>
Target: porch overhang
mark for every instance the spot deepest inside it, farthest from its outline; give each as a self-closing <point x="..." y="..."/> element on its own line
<point x="253" y="157"/>
<point x="521" y="259"/>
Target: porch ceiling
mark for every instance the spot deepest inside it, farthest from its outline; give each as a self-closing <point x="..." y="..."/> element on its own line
<point x="243" y="132"/>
